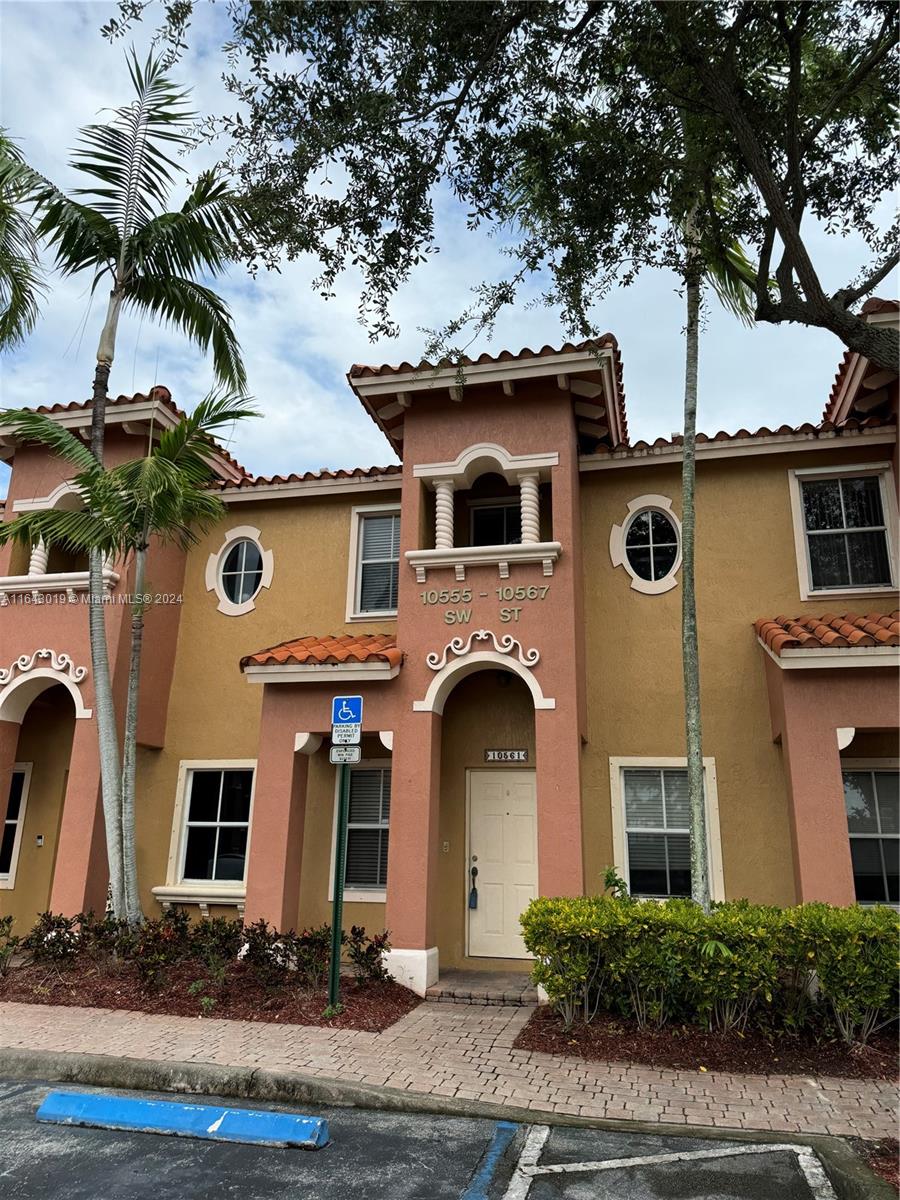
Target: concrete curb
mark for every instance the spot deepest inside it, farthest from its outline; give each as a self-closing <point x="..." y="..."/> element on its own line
<point x="849" y="1175"/>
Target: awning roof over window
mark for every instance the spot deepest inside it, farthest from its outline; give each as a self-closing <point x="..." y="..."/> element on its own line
<point x="787" y="635"/>
<point x="346" y="649"/>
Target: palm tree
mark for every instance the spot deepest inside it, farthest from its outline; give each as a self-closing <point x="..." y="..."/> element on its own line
<point x="165" y="496"/>
<point x="151" y="258"/>
<point x="731" y="277"/>
<point x="21" y="279"/>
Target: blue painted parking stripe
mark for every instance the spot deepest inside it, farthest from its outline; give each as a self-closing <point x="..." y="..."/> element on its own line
<point x="504" y="1132"/>
<point x="255" y="1126"/>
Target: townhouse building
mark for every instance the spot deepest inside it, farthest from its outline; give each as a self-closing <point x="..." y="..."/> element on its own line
<point x="507" y="602"/>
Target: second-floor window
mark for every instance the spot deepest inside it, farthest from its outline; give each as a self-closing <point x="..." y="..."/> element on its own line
<point x="846" y="533"/>
<point x="497" y="524"/>
<point x="378" y="563"/>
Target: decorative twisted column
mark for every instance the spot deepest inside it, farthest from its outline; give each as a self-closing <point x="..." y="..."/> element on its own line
<point x="37" y="564"/>
<point x="531" y="508"/>
<point x="443" y="515"/>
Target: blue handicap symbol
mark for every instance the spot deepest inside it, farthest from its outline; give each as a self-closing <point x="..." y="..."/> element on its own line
<point x="346" y="710"/>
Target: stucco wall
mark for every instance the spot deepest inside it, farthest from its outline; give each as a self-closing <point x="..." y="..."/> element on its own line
<point x="45" y="740"/>
<point x="213" y="712"/>
<point x="746" y="568"/>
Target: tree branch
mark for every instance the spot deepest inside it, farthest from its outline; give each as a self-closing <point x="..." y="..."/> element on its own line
<point x="849" y="295"/>
<point x="853" y="80"/>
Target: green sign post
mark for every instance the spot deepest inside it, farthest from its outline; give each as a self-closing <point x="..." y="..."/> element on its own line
<point x="346" y="731"/>
<point x="337" y="906"/>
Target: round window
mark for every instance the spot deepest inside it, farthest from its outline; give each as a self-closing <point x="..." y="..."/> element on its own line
<point x="242" y="571"/>
<point x="651" y="544"/>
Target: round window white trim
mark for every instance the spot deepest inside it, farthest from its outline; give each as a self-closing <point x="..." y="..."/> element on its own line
<point x="618" y="533"/>
<point x="214" y="570"/>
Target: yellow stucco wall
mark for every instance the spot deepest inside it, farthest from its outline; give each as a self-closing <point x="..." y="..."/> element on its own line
<point x="45" y="741"/>
<point x="746" y="568"/>
<point x="213" y="712"/>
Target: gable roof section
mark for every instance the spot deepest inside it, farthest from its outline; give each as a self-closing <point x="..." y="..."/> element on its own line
<point x="156" y="407"/>
<point x="859" y="387"/>
<point x="591" y="371"/>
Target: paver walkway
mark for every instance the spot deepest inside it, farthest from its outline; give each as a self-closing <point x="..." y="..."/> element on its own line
<point x="466" y="1051"/>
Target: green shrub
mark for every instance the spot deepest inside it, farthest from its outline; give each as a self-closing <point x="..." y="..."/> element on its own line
<point x="784" y="969"/>
<point x="366" y="955"/>
<point x="53" y="938"/>
<point x="159" y="944"/>
<point x="9" y="943"/>
<point x="216" y="939"/>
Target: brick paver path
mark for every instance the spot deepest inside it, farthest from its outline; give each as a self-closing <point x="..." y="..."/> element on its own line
<point x="466" y="1051"/>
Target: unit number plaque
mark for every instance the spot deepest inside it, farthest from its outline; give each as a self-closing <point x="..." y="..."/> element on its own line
<point x="506" y="756"/>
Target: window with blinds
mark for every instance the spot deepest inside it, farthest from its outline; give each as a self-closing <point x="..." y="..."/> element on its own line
<point x="379" y="559"/>
<point x="657" y="831"/>
<point x="872" y="800"/>
<point x="367" y="828"/>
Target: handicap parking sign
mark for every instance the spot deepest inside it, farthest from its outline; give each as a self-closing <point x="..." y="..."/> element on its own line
<point x="346" y="720"/>
<point x="346" y="710"/>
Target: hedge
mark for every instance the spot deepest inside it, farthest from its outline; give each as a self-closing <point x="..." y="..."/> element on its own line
<point x="742" y="964"/>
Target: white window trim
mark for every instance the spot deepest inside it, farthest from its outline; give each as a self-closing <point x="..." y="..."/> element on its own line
<point x="889" y="509"/>
<point x="176" y="890"/>
<point x="354" y="575"/>
<point x="870" y="764"/>
<point x="618" y="553"/>
<point x="214" y="570"/>
<point x="713" y="831"/>
<point x="8" y="881"/>
<point x="355" y="895"/>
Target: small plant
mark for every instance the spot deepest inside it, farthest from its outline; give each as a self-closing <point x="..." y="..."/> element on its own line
<point x="53" y="938"/>
<point x="366" y="955"/>
<point x="216" y="939"/>
<point x="332" y="1010"/>
<point x="160" y="944"/>
<point x="9" y="943"/>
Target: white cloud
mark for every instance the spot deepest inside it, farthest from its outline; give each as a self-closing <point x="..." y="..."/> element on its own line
<point x="58" y="73"/>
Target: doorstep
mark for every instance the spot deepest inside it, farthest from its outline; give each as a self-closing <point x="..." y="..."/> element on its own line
<point x="485" y="987"/>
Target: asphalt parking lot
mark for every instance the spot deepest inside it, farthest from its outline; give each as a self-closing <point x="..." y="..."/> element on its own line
<point x="389" y="1156"/>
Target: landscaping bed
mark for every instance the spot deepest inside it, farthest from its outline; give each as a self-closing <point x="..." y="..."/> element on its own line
<point x="208" y="968"/>
<point x="688" y="1047"/>
<point x="884" y="1159"/>
<point x="239" y="996"/>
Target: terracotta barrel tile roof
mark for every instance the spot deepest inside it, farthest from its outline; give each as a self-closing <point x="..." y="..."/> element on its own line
<point x="828" y="632"/>
<point x="331" y="649"/>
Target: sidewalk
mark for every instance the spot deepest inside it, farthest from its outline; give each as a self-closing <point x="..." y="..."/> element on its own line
<point x="466" y="1051"/>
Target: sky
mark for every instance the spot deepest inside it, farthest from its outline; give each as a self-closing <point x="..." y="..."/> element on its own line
<point x="58" y="72"/>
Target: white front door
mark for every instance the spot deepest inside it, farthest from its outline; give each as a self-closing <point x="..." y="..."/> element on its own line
<point x="503" y="846"/>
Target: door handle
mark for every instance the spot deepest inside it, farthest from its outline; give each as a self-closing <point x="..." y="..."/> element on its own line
<point x="473" y="890"/>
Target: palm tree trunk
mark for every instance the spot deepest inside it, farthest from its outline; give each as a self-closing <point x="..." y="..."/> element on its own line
<point x="133" y="910"/>
<point x="690" y="651"/>
<point x="103" y="694"/>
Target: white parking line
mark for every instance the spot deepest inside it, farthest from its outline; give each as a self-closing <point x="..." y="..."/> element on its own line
<point x="528" y="1166"/>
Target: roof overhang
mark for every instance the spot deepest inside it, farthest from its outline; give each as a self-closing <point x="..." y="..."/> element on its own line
<point x="800" y="659"/>
<point x="322" y="672"/>
<point x="591" y="375"/>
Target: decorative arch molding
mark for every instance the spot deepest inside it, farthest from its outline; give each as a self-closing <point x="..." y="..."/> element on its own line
<point x="64" y="495"/>
<point x="507" y="655"/>
<point x="482" y="457"/>
<point x="24" y="680"/>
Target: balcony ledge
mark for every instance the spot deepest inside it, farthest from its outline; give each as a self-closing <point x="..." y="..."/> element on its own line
<point x="36" y="586"/>
<point x="461" y="557"/>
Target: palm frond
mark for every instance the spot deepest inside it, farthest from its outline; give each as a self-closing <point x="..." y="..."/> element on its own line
<point x="732" y="276"/>
<point x="74" y="530"/>
<point x="37" y="427"/>
<point x="126" y="156"/>
<point x="199" y="313"/>
<point x="198" y="238"/>
<point x="22" y="284"/>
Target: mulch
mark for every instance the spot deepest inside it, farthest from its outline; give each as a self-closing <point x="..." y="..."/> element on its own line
<point x="687" y="1047"/>
<point x="884" y="1159"/>
<point x="241" y="997"/>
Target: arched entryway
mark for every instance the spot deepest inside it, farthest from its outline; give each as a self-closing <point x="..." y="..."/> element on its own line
<point x="487" y="820"/>
<point x="33" y="793"/>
